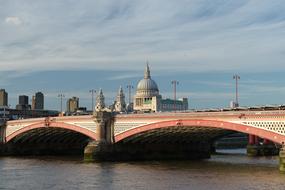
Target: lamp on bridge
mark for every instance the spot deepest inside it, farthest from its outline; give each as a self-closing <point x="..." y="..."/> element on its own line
<point x="174" y="83"/>
<point x="130" y="87"/>
<point x="92" y="91"/>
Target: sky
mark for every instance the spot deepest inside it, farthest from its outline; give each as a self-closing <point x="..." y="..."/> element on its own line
<point x="69" y="47"/>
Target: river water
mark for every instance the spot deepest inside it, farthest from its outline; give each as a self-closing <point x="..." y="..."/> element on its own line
<point x="233" y="170"/>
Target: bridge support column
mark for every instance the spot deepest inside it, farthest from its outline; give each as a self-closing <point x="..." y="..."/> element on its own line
<point x="88" y="151"/>
<point x="268" y="148"/>
<point x="256" y="140"/>
<point x="152" y="151"/>
<point x="252" y="149"/>
<point x="102" y="146"/>
<point x="251" y="139"/>
<point x="2" y="135"/>
<point x="282" y="159"/>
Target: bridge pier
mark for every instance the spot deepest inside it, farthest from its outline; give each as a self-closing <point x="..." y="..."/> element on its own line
<point x="102" y="146"/>
<point x="2" y="135"/>
<point x="97" y="151"/>
<point x="154" y="151"/>
<point x="282" y="159"/>
<point x="268" y="148"/>
<point x="257" y="148"/>
<point x="253" y="148"/>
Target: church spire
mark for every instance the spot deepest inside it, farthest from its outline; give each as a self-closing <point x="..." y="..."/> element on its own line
<point x="120" y="91"/>
<point x="100" y="101"/>
<point x="120" y="105"/>
<point x="147" y="71"/>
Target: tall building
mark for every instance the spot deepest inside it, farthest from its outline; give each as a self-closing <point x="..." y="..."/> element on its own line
<point x="72" y="104"/>
<point x="3" y="97"/>
<point x="23" y="103"/>
<point x="148" y="99"/>
<point x="39" y="101"/>
<point x="23" y="99"/>
<point x="33" y="102"/>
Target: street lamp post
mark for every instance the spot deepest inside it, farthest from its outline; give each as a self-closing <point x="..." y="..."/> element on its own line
<point x="236" y="77"/>
<point x="130" y="87"/>
<point x="61" y="96"/>
<point x="174" y="83"/>
<point x="92" y="91"/>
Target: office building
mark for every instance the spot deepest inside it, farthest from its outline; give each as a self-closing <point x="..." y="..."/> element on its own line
<point x="3" y="97"/>
<point x="39" y="101"/>
<point x="23" y="103"/>
<point x="23" y="99"/>
<point x="33" y="102"/>
<point x="72" y="104"/>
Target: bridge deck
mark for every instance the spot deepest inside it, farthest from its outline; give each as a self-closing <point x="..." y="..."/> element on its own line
<point x="272" y="121"/>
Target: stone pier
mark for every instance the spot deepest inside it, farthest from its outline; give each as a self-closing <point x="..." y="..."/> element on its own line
<point x="268" y="148"/>
<point x="253" y="148"/>
<point x="152" y="151"/>
<point x="103" y="145"/>
<point x="2" y="135"/>
<point x="282" y="159"/>
<point x="258" y="147"/>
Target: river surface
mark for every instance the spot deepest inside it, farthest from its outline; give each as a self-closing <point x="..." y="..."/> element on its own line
<point x="229" y="171"/>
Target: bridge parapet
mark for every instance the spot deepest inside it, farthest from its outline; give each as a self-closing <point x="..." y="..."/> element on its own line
<point x="271" y="125"/>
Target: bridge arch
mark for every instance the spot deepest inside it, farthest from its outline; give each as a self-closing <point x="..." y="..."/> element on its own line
<point x="60" y="125"/>
<point x="274" y="137"/>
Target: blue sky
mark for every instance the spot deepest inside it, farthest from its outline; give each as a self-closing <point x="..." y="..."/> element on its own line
<point x="70" y="47"/>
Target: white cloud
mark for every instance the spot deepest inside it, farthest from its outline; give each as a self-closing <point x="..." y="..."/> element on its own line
<point x="124" y="76"/>
<point x="13" y="20"/>
<point x="246" y="35"/>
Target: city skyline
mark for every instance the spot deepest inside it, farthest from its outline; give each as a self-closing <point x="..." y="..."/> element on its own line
<point x="86" y="45"/>
<point x="195" y="102"/>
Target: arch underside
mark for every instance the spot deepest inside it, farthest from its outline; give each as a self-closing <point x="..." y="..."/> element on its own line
<point x="169" y="142"/>
<point x="48" y="141"/>
<point x="53" y="126"/>
<point x="184" y="131"/>
<point x="177" y="135"/>
<point x="49" y="135"/>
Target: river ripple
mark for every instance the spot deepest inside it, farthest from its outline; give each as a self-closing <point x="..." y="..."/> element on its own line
<point x="231" y="171"/>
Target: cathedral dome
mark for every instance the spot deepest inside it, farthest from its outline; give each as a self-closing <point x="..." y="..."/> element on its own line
<point x="147" y="86"/>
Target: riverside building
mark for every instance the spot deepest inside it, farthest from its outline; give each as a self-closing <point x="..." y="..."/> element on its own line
<point x="72" y="104"/>
<point x="3" y="97"/>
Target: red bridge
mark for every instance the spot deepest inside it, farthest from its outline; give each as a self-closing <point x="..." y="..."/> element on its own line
<point x="107" y="136"/>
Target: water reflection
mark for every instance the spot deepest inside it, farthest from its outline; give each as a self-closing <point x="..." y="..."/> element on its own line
<point x="222" y="171"/>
